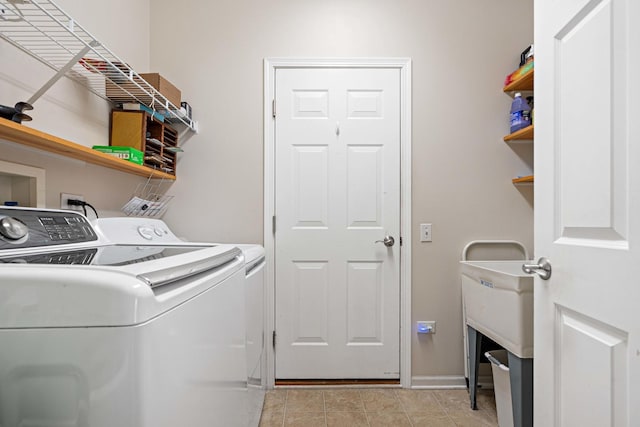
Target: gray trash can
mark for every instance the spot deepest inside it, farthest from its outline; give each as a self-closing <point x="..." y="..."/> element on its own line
<point x="501" y="386"/>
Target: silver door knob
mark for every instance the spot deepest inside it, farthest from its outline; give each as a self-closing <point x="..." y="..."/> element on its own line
<point x="542" y="268"/>
<point x="388" y="241"/>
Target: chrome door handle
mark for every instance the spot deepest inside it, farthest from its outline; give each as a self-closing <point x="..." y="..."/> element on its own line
<point x="542" y="268"/>
<point x="388" y="241"/>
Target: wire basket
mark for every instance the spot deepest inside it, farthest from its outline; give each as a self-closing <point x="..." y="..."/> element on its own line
<point x="148" y="200"/>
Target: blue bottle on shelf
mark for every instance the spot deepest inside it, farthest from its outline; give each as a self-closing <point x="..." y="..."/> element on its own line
<point x="520" y="117"/>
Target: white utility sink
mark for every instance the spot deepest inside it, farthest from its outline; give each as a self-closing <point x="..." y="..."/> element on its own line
<point x="498" y="303"/>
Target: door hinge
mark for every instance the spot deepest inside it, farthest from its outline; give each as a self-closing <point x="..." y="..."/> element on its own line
<point x="273" y="108"/>
<point x="400" y="240"/>
<point x="274" y="340"/>
<point x="273" y="224"/>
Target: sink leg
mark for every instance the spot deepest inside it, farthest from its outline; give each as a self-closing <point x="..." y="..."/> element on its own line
<point x="474" y="344"/>
<point x="521" y="379"/>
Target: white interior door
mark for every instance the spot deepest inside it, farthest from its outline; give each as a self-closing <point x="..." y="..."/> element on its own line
<point x="337" y="192"/>
<point x="587" y="213"/>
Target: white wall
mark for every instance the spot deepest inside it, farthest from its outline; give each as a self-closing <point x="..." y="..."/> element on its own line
<point x="461" y="51"/>
<point x="69" y="111"/>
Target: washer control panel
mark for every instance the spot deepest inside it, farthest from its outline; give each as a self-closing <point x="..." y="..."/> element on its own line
<point x="79" y="257"/>
<point x="28" y="228"/>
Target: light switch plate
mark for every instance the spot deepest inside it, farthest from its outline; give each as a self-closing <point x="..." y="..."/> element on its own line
<point x="425" y="232"/>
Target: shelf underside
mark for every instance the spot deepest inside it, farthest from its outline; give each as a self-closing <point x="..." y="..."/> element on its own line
<point x="525" y="134"/>
<point x="523" y="180"/>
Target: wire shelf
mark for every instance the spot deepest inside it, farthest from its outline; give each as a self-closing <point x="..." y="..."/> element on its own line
<point x="44" y="31"/>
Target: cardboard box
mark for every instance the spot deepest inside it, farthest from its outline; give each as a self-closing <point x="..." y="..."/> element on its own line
<point x="165" y="87"/>
<point x="125" y="153"/>
<point x="127" y="91"/>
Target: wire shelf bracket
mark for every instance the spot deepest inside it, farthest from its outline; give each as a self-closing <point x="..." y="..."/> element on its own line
<point x="149" y="200"/>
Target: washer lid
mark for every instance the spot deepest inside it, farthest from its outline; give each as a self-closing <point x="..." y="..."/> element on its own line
<point x="184" y="270"/>
<point x="47" y="296"/>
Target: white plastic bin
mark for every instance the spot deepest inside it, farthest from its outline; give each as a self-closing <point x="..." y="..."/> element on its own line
<point x="502" y="386"/>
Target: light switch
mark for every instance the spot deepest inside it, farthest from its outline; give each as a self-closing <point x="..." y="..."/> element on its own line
<point x="425" y="232"/>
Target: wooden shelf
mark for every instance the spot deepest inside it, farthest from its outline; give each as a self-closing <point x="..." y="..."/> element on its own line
<point x="520" y="135"/>
<point x="21" y="134"/>
<point x="523" y="83"/>
<point x="525" y="135"/>
<point x="523" y="180"/>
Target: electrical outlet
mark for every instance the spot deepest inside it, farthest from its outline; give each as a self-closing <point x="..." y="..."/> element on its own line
<point x="426" y="326"/>
<point x="64" y="201"/>
<point x="425" y="232"/>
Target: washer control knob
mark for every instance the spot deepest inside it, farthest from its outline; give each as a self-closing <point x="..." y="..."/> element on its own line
<point x="12" y="228"/>
<point x="145" y="232"/>
<point x="159" y="231"/>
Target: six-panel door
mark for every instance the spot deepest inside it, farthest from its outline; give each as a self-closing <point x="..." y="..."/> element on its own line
<point x="337" y="193"/>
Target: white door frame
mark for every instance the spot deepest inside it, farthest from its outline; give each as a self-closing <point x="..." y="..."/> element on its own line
<point x="404" y="66"/>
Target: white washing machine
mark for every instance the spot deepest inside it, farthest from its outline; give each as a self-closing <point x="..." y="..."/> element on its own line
<point x="98" y="333"/>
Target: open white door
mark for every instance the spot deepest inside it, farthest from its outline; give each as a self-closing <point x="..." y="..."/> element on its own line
<point x="587" y="213"/>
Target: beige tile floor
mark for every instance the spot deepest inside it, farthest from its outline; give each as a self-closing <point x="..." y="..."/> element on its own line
<point x="372" y="407"/>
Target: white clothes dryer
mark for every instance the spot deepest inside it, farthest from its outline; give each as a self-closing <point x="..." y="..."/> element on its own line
<point x="154" y="231"/>
<point x="254" y="256"/>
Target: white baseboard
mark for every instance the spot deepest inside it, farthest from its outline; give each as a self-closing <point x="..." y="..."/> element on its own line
<point x="438" y="382"/>
<point x="448" y="382"/>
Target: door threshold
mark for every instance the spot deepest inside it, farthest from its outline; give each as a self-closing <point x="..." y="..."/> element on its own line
<point x="348" y="382"/>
